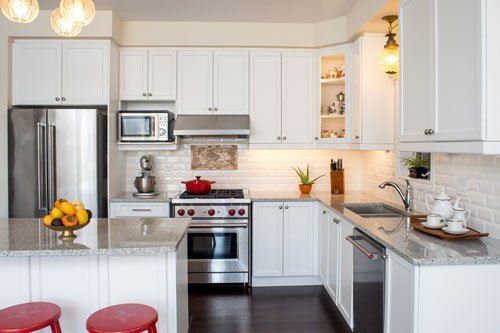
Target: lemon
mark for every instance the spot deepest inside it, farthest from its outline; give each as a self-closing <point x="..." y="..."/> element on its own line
<point x="68" y="209"/>
<point x="82" y="216"/>
<point x="47" y="220"/>
<point x="56" y="213"/>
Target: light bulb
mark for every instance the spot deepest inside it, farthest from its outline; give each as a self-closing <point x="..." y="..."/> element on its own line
<point x="62" y="26"/>
<point x="20" y="11"/>
<point x="80" y="12"/>
<point x="389" y="59"/>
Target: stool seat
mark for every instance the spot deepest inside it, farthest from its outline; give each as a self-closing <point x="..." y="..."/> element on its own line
<point x="123" y="318"/>
<point x="30" y="317"/>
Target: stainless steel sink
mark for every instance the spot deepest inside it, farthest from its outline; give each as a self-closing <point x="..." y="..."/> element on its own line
<point x="375" y="210"/>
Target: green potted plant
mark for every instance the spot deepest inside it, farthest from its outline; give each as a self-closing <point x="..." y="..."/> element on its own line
<point x="417" y="165"/>
<point x="306" y="183"/>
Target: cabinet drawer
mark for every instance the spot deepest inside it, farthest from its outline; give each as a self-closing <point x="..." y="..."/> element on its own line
<point x="119" y="209"/>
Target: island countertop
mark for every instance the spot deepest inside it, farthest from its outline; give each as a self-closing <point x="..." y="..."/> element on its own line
<point x="412" y="245"/>
<point x="28" y="237"/>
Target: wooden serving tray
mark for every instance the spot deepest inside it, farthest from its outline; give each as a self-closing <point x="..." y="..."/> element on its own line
<point x="416" y="221"/>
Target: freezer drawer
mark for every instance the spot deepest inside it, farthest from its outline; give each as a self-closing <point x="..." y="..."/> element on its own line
<point x="127" y="209"/>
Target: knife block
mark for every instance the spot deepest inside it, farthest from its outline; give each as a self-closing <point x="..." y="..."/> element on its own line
<point x="337" y="182"/>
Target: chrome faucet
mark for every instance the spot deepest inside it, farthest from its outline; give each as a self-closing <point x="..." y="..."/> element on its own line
<point x="405" y="197"/>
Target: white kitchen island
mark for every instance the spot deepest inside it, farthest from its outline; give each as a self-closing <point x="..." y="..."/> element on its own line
<point x="112" y="261"/>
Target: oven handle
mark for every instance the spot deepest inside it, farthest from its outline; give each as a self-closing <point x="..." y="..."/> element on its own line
<point x="218" y="225"/>
<point x="371" y="256"/>
<point x="210" y="230"/>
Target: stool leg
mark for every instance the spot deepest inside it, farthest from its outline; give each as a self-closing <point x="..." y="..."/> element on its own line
<point x="55" y="327"/>
<point x="152" y="329"/>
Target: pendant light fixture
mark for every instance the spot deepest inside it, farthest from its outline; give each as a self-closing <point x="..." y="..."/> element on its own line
<point x="389" y="57"/>
<point x="62" y="26"/>
<point x="20" y="11"/>
<point x="80" y="12"/>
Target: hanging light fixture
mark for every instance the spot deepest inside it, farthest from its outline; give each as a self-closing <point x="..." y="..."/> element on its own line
<point x="389" y="57"/>
<point x="20" y="11"/>
<point x="62" y="26"/>
<point x="80" y="12"/>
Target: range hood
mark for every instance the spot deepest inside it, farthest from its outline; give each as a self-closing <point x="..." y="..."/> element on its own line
<point x="223" y="125"/>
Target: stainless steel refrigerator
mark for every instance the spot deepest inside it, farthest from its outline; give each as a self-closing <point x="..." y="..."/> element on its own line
<point x="57" y="153"/>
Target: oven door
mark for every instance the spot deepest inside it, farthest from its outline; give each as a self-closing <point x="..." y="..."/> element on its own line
<point x="137" y="127"/>
<point x="218" y="249"/>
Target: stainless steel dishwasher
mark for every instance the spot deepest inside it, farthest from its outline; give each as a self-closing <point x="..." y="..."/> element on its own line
<point x="368" y="283"/>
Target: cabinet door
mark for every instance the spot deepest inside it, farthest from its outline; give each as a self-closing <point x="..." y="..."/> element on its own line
<point x="298" y="239"/>
<point x="265" y="97"/>
<point x="162" y="75"/>
<point x="195" y="82"/>
<point x="297" y="97"/>
<point x="133" y="74"/>
<point x="399" y="294"/>
<point x="36" y="74"/>
<point x="458" y="92"/>
<point x="345" y="273"/>
<point x="416" y="68"/>
<point x="357" y="95"/>
<point x="85" y="73"/>
<point x="231" y="82"/>
<point x="326" y="216"/>
<point x="267" y="238"/>
<point x="332" y="284"/>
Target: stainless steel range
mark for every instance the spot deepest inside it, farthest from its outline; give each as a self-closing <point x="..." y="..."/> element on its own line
<point x="219" y="235"/>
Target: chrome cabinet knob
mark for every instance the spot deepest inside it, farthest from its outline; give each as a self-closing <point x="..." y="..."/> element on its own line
<point x="144" y="94"/>
<point x="279" y="137"/>
<point x="426" y="132"/>
<point x="57" y="99"/>
<point x="63" y="99"/>
<point x="209" y="109"/>
<point x="286" y="207"/>
<point x="316" y="138"/>
<point x="324" y="212"/>
<point x="280" y="207"/>
<point x="150" y="94"/>
<point x="356" y="137"/>
<point x="431" y="131"/>
<point x="284" y="138"/>
<point x="215" y="109"/>
<point x="336" y="221"/>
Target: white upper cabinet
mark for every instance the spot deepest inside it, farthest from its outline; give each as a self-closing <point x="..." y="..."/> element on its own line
<point x="373" y="92"/>
<point x="297" y="97"/>
<point x="55" y="73"/>
<point x="265" y="97"/>
<point x="148" y="74"/>
<point x="213" y="82"/>
<point x="445" y="80"/>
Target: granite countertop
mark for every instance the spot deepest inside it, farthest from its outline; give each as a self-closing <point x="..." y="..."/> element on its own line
<point x="28" y="237"/>
<point x="129" y="197"/>
<point x="412" y="245"/>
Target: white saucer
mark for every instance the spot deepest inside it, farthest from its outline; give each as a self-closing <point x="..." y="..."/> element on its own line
<point x="434" y="226"/>
<point x="455" y="232"/>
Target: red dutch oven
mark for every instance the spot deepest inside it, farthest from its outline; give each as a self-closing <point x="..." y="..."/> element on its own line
<point x="198" y="186"/>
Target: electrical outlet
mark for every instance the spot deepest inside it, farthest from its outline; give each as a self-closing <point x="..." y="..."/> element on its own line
<point x="462" y="185"/>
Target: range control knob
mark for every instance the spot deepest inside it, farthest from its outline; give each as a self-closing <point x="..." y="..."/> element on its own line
<point x="181" y="212"/>
<point x="231" y="212"/>
<point x="191" y="212"/>
<point x="162" y="131"/>
<point x="241" y="211"/>
<point x="211" y="212"/>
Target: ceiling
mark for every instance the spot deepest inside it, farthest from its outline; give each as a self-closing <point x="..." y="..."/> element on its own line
<point x="279" y="11"/>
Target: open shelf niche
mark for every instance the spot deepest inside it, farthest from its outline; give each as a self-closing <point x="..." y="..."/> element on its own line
<point x="402" y="171"/>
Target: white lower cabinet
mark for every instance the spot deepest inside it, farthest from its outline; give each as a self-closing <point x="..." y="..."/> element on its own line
<point x="332" y="279"/>
<point x="345" y="272"/>
<point x="284" y="239"/>
<point x="135" y="209"/>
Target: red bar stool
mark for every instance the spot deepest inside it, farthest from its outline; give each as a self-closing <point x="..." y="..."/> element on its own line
<point x="30" y="317"/>
<point x="123" y="318"/>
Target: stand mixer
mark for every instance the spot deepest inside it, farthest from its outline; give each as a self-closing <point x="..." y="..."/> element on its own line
<point x="145" y="183"/>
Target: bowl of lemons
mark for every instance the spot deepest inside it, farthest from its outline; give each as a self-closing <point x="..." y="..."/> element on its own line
<point x="66" y="217"/>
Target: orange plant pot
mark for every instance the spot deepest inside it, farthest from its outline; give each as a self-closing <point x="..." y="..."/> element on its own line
<point x="305" y="189"/>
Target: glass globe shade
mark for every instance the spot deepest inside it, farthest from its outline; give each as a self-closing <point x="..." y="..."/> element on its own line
<point x="62" y="26"/>
<point x="389" y="59"/>
<point x="80" y="12"/>
<point x="20" y="11"/>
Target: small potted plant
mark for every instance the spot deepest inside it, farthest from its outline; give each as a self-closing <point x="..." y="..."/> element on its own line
<point x="417" y="165"/>
<point x="306" y="183"/>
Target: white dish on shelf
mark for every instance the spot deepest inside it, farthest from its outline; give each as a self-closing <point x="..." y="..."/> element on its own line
<point x="455" y="232"/>
<point x="434" y="226"/>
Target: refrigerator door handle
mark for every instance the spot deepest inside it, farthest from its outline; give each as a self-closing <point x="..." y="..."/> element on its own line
<point x="51" y="164"/>
<point x="41" y="189"/>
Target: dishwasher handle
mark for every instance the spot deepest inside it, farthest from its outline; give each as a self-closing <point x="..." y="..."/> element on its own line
<point x="370" y="255"/>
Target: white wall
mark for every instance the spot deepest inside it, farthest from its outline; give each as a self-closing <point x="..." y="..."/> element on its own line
<point x="258" y="170"/>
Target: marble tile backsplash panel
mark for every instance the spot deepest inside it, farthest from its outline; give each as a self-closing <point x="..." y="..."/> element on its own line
<point x="482" y="174"/>
<point x="258" y="170"/>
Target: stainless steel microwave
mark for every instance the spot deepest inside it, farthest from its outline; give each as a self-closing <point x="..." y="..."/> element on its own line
<point x="146" y="126"/>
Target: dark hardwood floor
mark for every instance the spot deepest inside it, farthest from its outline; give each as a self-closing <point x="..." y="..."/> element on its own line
<point x="264" y="310"/>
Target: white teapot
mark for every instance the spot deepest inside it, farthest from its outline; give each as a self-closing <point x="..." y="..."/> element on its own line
<point x="442" y="205"/>
<point x="461" y="213"/>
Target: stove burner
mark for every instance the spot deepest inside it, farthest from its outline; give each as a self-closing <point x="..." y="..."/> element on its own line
<point x="215" y="194"/>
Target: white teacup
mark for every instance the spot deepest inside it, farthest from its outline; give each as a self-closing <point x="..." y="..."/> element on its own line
<point x="434" y="219"/>
<point x="456" y="224"/>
